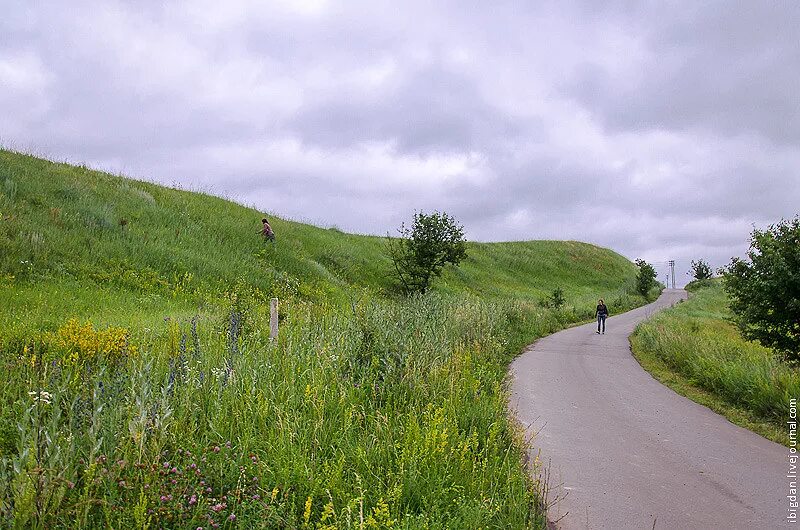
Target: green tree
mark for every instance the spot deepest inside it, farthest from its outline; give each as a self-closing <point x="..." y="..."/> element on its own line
<point x="701" y="270"/>
<point x="646" y="279"/>
<point x="423" y="249"/>
<point x="765" y="291"/>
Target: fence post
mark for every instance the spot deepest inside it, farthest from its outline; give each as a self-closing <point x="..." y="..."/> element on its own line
<point x="273" y="318"/>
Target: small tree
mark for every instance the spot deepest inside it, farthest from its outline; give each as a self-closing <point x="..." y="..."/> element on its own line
<point x="765" y="292"/>
<point x="646" y="279"/>
<point x="701" y="270"/>
<point x="422" y="251"/>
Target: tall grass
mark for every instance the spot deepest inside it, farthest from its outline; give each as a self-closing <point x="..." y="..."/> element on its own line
<point x="698" y="340"/>
<point x="174" y="409"/>
<point x="386" y="412"/>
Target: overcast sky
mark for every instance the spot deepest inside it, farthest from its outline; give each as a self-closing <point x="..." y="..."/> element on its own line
<point x="661" y="131"/>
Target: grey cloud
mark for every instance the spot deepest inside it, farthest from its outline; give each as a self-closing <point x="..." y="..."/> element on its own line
<point x="427" y="110"/>
<point x="721" y="67"/>
<point x="660" y="130"/>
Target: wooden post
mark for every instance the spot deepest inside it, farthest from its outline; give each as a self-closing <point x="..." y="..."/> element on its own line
<point x="273" y="318"/>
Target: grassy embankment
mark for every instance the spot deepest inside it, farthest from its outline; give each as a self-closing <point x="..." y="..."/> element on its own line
<point x="695" y="349"/>
<point x="142" y="390"/>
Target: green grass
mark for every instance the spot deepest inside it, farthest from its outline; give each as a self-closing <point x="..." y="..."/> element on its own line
<point x="697" y="351"/>
<point x="370" y="411"/>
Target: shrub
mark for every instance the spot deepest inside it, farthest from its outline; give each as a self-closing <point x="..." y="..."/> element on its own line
<point x="701" y="270"/>
<point x="646" y="279"/>
<point x="556" y="298"/>
<point x="765" y="291"/>
<point x="422" y="251"/>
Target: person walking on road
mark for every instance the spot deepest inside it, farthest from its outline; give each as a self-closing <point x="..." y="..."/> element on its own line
<point x="601" y="313"/>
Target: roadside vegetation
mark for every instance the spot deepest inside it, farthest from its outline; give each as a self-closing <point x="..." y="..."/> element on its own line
<point x="646" y="283"/>
<point x="696" y="349"/>
<point x="143" y="390"/>
<point x="765" y="288"/>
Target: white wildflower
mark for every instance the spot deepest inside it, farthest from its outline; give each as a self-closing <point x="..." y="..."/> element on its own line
<point x="42" y="396"/>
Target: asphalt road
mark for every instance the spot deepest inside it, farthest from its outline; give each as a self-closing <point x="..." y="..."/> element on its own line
<point x="627" y="452"/>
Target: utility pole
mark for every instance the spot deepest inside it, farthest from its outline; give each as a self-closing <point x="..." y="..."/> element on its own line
<point x="672" y="268"/>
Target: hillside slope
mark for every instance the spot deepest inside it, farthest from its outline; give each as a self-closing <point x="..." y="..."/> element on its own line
<point x="66" y="232"/>
<point x="145" y="388"/>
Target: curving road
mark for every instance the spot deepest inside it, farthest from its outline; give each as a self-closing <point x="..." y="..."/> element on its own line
<point x="627" y="452"/>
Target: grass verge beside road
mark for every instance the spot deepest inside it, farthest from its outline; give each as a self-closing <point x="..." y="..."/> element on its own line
<point x="696" y="350"/>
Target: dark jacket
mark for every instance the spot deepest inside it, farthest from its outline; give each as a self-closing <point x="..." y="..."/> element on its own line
<point x="601" y="310"/>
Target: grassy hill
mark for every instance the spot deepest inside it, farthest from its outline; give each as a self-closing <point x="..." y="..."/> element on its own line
<point x="145" y="392"/>
<point x="80" y="242"/>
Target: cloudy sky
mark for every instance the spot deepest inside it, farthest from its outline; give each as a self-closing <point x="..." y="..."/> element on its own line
<point x="661" y="130"/>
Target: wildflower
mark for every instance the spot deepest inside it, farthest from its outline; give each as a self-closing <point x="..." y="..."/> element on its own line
<point x="219" y="507"/>
<point x="256" y="497"/>
<point x="193" y="500"/>
<point x="41" y="396"/>
<point x="216" y="449"/>
<point x="173" y="470"/>
<point x="231" y="517"/>
<point x="70" y="484"/>
<point x="307" y="511"/>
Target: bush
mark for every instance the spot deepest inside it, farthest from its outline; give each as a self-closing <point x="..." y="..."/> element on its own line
<point x="646" y="279"/>
<point x="422" y="251"/>
<point x="701" y="270"/>
<point x="765" y="291"/>
<point x="556" y="298"/>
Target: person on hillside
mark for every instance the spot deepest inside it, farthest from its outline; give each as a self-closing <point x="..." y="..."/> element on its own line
<point x="601" y="313"/>
<point x="266" y="231"/>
